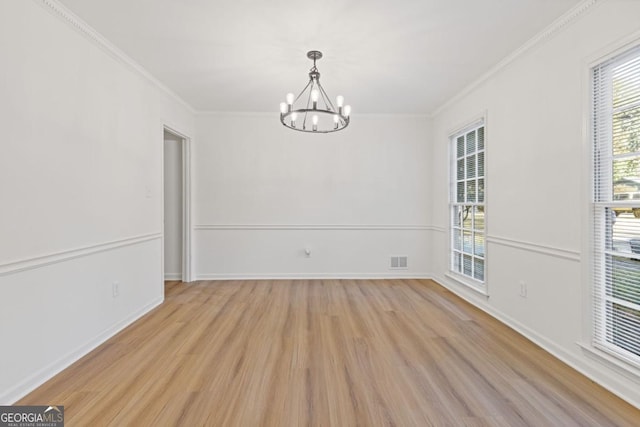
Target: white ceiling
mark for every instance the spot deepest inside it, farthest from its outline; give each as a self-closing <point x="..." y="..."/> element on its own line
<point x="402" y="56"/>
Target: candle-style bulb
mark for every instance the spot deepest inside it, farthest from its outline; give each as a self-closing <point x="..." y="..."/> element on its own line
<point x="294" y="116"/>
<point x="314" y="119"/>
<point x="283" y="107"/>
<point x="340" y="100"/>
<point x="315" y="94"/>
<point x="347" y="110"/>
<point x="290" y="98"/>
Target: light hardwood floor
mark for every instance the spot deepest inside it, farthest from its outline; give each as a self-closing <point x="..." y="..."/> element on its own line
<point x="325" y="353"/>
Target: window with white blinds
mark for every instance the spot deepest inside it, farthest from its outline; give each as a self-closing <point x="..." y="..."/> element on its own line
<point x="616" y="206"/>
<point x="467" y="204"/>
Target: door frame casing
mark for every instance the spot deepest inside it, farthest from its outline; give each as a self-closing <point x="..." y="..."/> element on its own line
<point x="187" y="238"/>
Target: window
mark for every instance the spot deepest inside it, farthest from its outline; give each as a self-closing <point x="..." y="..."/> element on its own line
<point x="616" y="206"/>
<point x="468" y="204"/>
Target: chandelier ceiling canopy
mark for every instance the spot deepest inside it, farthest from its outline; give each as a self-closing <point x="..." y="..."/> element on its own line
<point x="312" y="110"/>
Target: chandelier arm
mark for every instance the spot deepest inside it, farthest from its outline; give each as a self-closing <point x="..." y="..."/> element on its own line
<point x="304" y="122"/>
<point x="305" y="88"/>
<point x="327" y="99"/>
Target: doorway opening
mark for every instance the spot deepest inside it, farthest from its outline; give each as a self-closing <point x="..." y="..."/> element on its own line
<point x="176" y="218"/>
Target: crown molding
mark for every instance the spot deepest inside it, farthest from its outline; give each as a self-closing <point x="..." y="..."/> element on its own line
<point x="67" y="16"/>
<point x="274" y="113"/>
<point x="213" y="113"/>
<point x="550" y="31"/>
<point x="73" y="20"/>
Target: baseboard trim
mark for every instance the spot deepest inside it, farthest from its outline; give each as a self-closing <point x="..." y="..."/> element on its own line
<point x="612" y="362"/>
<point x="56" y="257"/>
<point x="173" y="276"/>
<point x="43" y="375"/>
<point x="307" y="276"/>
<point x="537" y="339"/>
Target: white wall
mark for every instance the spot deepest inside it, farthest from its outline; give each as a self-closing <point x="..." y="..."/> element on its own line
<point x="172" y="207"/>
<point x="81" y="189"/>
<point x="81" y="186"/>
<point x="537" y="193"/>
<point x="266" y="193"/>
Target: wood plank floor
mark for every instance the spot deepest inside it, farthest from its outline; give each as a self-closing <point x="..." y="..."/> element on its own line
<point x="324" y="353"/>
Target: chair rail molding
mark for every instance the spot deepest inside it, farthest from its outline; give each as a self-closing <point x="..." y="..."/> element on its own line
<point x="399" y="227"/>
<point x="61" y="256"/>
<point x="535" y="247"/>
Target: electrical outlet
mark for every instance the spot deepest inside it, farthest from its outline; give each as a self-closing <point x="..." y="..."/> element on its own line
<point x="115" y="288"/>
<point x="523" y="289"/>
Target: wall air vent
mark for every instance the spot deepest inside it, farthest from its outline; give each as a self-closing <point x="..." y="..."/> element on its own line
<point x="399" y="263"/>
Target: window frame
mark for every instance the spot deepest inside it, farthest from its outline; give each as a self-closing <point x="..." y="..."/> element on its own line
<point x="455" y="229"/>
<point x="598" y="252"/>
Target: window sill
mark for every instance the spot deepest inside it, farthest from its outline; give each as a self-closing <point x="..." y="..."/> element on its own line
<point x="610" y="360"/>
<point x="482" y="290"/>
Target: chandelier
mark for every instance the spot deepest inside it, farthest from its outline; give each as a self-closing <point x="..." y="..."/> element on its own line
<point x="318" y="110"/>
